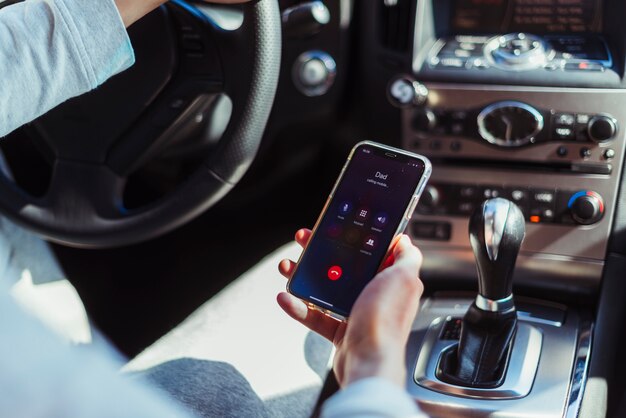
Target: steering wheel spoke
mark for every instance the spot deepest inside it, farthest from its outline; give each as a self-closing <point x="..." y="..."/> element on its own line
<point x="81" y="194"/>
<point x="186" y="62"/>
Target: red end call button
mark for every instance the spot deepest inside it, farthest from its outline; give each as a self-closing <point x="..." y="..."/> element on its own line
<point x="334" y="273"/>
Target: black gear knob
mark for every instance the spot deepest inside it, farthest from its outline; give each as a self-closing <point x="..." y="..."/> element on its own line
<point x="496" y="231"/>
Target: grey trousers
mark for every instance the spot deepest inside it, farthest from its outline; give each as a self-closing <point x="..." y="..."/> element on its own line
<point x="238" y="355"/>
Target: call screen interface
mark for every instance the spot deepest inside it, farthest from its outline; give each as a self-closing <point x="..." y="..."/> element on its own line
<point x="357" y="228"/>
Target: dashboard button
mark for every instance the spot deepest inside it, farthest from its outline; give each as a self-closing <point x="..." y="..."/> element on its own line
<point x="440" y="231"/>
<point x="451" y="63"/>
<point x="583" y="66"/>
<point x="424" y="120"/>
<point x="566" y="119"/>
<point x="602" y="128"/>
<point x="608" y="154"/>
<point x="587" y="207"/>
<point x="542" y="197"/>
<point x="585" y="152"/>
<point x="563" y="133"/>
<point x="405" y="91"/>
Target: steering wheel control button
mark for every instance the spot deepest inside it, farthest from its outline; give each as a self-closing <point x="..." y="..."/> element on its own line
<point x="314" y="73"/>
<point x="334" y="273"/>
<point x="602" y="128"/>
<point x="404" y="91"/>
<point x="586" y="206"/>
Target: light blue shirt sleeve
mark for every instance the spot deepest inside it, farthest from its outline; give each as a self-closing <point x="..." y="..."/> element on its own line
<point x="43" y="376"/>
<point x="53" y="50"/>
<point x="373" y="397"/>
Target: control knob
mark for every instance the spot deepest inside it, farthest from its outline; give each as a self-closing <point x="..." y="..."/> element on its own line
<point x="424" y="120"/>
<point x="602" y="128"/>
<point x="314" y="73"/>
<point x="586" y="206"/>
<point x="404" y="91"/>
<point x="429" y="200"/>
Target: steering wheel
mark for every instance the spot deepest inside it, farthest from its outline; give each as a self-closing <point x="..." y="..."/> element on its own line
<point x="184" y="60"/>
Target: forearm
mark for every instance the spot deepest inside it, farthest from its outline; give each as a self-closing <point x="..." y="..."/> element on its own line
<point x="371" y="398"/>
<point x="51" y="51"/>
<point x="133" y="10"/>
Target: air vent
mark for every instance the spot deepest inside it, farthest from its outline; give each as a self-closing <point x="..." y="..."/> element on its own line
<point x="395" y="28"/>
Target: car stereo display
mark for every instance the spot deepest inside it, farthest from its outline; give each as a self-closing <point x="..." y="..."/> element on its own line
<point x="533" y="16"/>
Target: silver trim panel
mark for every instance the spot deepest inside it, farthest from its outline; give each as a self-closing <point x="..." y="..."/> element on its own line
<point x="520" y="373"/>
<point x="580" y="372"/>
<point x="549" y="395"/>
<point x="552" y="256"/>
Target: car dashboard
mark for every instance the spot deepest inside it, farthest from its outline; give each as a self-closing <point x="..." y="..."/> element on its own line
<point x="517" y="99"/>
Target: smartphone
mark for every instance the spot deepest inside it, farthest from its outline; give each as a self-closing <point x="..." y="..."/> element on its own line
<point x="371" y="203"/>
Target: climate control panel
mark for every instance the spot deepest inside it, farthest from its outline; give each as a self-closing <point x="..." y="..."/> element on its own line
<point x="539" y="205"/>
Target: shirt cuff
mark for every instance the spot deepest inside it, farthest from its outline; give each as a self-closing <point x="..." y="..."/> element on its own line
<point x="373" y="397"/>
<point x="100" y="37"/>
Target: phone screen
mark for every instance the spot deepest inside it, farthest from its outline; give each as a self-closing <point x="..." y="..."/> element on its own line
<point x="354" y="233"/>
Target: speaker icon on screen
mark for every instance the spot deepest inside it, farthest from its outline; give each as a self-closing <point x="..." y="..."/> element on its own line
<point x="381" y="220"/>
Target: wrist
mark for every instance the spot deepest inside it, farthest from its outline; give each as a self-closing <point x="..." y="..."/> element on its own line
<point x="389" y="366"/>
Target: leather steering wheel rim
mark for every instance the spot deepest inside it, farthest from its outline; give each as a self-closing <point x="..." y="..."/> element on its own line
<point x="82" y="205"/>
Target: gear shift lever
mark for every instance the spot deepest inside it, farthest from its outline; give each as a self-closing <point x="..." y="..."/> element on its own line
<point x="496" y="232"/>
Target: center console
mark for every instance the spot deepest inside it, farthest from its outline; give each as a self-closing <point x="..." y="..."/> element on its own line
<point x="523" y="100"/>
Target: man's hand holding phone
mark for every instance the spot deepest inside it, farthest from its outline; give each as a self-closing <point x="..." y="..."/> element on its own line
<point x="372" y="342"/>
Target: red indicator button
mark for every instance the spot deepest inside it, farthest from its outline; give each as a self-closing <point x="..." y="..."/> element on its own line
<point x="334" y="273"/>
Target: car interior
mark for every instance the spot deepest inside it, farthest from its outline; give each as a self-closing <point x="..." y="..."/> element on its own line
<point x="168" y="195"/>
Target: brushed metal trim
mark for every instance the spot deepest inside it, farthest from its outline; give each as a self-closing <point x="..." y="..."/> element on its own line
<point x="519" y="376"/>
<point x="550" y="389"/>
<point x="542" y="271"/>
<point x="500" y="305"/>
<point x="345" y="13"/>
<point x="580" y="372"/>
